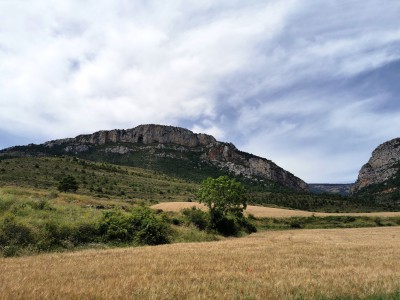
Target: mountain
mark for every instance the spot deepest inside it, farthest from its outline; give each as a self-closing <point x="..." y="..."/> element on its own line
<point x="329" y="188"/>
<point x="379" y="178"/>
<point x="173" y="150"/>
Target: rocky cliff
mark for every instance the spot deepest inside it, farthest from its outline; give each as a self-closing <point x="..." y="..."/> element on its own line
<point x="145" y="134"/>
<point x="167" y="142"/>
<point x="382" y="166"/>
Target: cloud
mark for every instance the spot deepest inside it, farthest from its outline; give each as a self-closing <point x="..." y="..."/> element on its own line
<point x="112" y="66"/>
<point x="283" y="79"/>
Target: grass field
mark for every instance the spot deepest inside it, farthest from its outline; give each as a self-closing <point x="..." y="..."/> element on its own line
<point x="301" y="264"/>
<point x="270" y="212"/>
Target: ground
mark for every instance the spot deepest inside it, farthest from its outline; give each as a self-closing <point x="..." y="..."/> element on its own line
<point x="288" y="264"/>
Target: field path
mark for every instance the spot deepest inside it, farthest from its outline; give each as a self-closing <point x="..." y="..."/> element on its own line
<point x="269" y="212"/>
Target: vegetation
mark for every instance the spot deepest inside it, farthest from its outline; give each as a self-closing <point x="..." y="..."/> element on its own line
<point x="328" y="222"/>
<point x="38" y="214"/>
<point x="222" y="196"/>
<point x="141" y="226"/>
<point x="38" y="221"/>
<point x="68" y="184"/>
<point x="321" y="202"/>
<point x="105" y="180"/>
<point x="226" y="199"/>
<point x="100" y="180"/>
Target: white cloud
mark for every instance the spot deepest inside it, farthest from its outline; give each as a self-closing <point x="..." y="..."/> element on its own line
<point x="111" y="67"/>
<point x="246" y="71"/>
<point x="210" y="129"/>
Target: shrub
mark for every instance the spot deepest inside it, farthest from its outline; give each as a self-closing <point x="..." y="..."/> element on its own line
<point x="197" y="217"/>
<point x="141" y="226"/>
<point x="227" y="226"/>
<point x="149" y="229"/>
<point x="85" y="233"/>
<point x="67" y="183"/>
<point x="114" y="226"/>
<point x="54" y="235"/>
<point x="42" y="204"/>
<point x="10" y="250"/>
<point x="176" y="221"/>
<point x="246" y="225"/>
<point x="15" y="233"/>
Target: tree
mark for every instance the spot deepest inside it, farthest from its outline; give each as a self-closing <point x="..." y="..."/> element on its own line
<point x="222" y="195"/>
<point x="68" y="183"/>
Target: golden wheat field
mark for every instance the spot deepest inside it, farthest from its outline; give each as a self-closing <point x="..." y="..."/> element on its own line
<point x="270" y="212"/>
<point x="270" y="265"/>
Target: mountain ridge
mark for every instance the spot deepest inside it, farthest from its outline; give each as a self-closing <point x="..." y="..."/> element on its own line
<point x="154" y="145"/>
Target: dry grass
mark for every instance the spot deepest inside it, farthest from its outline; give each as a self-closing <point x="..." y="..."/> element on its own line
<point x="269" y="212"/>
<point x="268" y="265"/>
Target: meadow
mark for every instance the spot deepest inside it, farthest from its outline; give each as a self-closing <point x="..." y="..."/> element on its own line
<point x="38" y="220"/>
<point x="362" y="263"/>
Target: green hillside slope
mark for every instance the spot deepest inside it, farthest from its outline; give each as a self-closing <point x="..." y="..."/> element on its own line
<point x="133" y="184"/>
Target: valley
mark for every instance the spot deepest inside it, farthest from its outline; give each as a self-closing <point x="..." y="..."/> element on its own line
<point x="138" y="187"/>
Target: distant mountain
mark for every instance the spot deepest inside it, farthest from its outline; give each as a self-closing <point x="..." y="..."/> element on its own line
<point x="327" y="188"/>
<point x="380" y="176"/>
<point x="173" y="150"/>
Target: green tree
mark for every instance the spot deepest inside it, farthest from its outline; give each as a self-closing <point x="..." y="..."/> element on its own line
<point x="68" y="183"/>
<point x="222" y="196"/>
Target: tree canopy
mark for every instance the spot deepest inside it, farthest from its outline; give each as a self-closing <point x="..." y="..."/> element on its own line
<point x="222" y="195"/>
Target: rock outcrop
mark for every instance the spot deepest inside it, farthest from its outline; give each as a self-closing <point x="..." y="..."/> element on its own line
<point x="145" y="134"/>
<point x="227" y="156"/>
<point x="381" y="167"/>
<point x="169" y="142"/>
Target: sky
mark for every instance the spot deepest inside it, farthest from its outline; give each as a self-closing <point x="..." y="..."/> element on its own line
<point x="311" y="85"/>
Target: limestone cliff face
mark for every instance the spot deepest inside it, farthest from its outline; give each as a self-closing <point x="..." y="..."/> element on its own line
<point x="167" y="141"/>
<point x="382" y="166"/>
<point x="226" y="156"/>
<point x="146" y="134"/>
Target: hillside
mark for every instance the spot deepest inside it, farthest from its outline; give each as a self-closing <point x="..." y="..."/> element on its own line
<point x="330" y="188"/>
<point x="96" y="179"/>
<point x="172" y="150"/>
<point x="107" y="181"/>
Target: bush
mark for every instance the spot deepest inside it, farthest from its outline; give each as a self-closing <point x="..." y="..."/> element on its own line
<point x="85" y="233"/>
<point x="15" y="233"/>
<point x="11" y="250"/>
<point x="114" y="226"/>
<point x="197" y="217"/>
<point x="227" y="226"/>
<point x="141" y="226"/>
<point x="54" y="236"/>
<point x="68" y="183"/>
<point x="246" y="225"/>
<point x="149" y="229"/>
